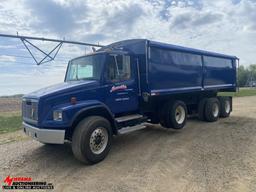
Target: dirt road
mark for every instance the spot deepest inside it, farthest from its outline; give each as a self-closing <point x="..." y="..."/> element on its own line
<point x="218" y="156"/>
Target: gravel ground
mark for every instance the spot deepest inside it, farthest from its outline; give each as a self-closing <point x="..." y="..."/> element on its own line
<point x="219" y="156"/>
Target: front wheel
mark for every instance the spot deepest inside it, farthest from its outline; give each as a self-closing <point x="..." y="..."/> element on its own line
<point x="91" y="140"/>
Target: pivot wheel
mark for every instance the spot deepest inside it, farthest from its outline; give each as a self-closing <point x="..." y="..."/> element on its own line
<point x="91" y="140"/>
<point x="174" y="115"/>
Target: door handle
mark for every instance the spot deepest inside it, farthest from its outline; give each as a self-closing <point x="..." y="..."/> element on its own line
<point x="122" y="93"/>
<point x="129" y="90"/>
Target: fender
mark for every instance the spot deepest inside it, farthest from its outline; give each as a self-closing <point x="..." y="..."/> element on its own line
<point x="71" y="113"/>
<point x="91" y="107"/>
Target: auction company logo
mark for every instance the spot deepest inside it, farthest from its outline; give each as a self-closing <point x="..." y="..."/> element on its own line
<point x="24" y="183"/>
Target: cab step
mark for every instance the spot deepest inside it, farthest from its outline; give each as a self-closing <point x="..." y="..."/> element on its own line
<point x="128" y="118"/>
<point x="131" y="129"/>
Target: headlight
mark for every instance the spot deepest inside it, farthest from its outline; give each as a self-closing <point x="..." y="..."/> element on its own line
<point x="57" y="115"/>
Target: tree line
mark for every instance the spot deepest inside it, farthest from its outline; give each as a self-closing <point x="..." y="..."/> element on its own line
<point x="247" y="75"/>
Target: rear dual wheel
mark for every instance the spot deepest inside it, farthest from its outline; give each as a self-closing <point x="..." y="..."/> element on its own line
<point x="174" y="115"/>
<point x="225" y="106"/>
<point x="210" y="109"/>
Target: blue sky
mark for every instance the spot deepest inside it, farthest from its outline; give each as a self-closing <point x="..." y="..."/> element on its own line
<point x="226" y="26"/>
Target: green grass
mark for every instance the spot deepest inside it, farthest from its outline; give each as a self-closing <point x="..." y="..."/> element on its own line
<point x="10" y="123"/>
<point x="241" y="93"/>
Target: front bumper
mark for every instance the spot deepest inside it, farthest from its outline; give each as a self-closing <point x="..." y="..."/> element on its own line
<point x="44" y="135"/>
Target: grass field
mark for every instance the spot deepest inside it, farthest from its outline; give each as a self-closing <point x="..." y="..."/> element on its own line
<point x="10" y="122"/>
<point x="241" y="93"/>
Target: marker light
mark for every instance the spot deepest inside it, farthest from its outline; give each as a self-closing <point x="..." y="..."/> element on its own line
<point x="73" y="100"/>
<point x="57" y="115"/>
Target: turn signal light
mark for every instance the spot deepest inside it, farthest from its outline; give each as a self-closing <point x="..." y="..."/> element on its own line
<point x="73" y="100"/>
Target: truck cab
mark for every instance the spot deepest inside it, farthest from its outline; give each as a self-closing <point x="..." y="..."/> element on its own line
<point x="123" y="86"/>
<point x="114" y="73"/>
<point x="103" y="85"/>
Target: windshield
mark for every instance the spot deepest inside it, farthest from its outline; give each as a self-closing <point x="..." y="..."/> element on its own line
<point x="85" y="68"/>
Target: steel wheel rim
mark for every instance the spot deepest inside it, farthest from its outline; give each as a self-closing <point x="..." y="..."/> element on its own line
<point x="99" y="140"/>
<point x="215" y="109"/>
<point x="227" y="106"/>
<point x="180" y="114"/>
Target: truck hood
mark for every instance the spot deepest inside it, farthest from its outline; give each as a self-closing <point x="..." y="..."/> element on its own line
<point x="61" y="88"/>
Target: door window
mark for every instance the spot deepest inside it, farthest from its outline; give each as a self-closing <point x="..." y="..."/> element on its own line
<point x="119" y="68"/>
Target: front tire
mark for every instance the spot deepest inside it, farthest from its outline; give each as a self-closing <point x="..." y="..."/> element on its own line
<point x="91" y="140"/>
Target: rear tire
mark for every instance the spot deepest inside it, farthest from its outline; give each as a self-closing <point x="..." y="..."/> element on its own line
<point x="162" y="116"/>
<point x="225" y="106"/>
<point x="212" y="109"/>
<point x="201" y="109"/>
<point x="91" y="140"/>
<point x="174" y="115"/>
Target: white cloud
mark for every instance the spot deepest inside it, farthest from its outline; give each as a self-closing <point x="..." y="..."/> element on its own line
<point x="7" y="47"/>
<point x="6" y="58"/>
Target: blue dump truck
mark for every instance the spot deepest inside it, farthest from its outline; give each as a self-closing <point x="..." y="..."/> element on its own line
<point x="122" y="87"/>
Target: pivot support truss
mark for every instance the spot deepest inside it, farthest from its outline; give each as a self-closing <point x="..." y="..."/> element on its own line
<point x="50" y="56"/>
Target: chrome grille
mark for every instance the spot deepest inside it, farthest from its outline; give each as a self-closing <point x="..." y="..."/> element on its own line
<point x="30" y="110"/>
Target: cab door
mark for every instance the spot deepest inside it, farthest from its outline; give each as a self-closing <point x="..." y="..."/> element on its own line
<point x="121" y="84"/>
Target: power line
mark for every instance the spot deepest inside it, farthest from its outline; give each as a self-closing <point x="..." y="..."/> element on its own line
<point x="22" y="56"/>
<point x="19" y="62"/>
<point x="27" y="57"/>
